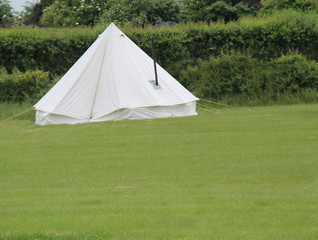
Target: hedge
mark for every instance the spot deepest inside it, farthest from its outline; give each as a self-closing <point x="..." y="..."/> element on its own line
<point x="20" y="87"/>
<point x="55" y="50"/>
<point x="50" y="50"/>
<point x="235" y="74"/>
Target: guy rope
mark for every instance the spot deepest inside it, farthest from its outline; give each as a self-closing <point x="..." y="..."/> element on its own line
<point x="210" y="109"/>
<point x="17" y="115"/>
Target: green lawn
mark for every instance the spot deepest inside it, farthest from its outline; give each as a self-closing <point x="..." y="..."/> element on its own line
<point x="228" y="175"/>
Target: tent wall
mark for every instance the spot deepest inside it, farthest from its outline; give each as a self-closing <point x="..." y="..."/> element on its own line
<point x="181" y="110"/>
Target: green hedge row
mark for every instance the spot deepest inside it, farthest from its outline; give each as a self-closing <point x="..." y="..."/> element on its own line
<point x="52" y="50"/>
<point x="265" y="38"/>
<point x="19" y="87"/>
<point x="236" y="74"/>
<point x="231" y="76"/>
<point x="55" y="50"/>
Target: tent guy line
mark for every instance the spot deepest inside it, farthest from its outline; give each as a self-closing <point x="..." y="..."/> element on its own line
<point x="18" y="114"/>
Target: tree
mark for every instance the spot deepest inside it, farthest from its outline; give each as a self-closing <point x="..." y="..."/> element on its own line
<point x="32" y="14"/>
<point x="216" y="10"/>
<point x="141" y="11"/>
<point x="6" y="16"/>
<point x="88" y="12"/>
<point x="72" y="12"/>
<point x="46" y="3"/>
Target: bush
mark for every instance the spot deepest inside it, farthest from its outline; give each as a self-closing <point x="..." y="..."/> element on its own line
<point x="237" y="74"/>
<point x="19" y="87"/>
<point x="291" y="73"/>
<point x="228" y="74"/>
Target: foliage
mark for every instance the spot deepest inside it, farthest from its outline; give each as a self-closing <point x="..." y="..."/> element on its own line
<point x="254" y="4"/>
<point x="267" y="70"/>
<point x="141" y="12"/>
<point x="88" y="12"/>
<point x="55" y="50"/>
<point x="270" y="6"/>
<point x="6" y="15"/>
<point x="47" y="3"/>
<point x="72" y="12"/>
<point x="32" y="14"/>
<point x="18" y="87"/>
<point x="219" y="10"/>
<point x="290" y="73"/>
<point x="242" y="75"/>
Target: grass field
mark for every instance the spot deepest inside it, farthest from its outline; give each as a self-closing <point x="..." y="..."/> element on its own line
<point x="228" y="175"/>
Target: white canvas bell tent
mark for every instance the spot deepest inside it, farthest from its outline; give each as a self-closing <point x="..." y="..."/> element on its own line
<point x="112" y="81"/>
